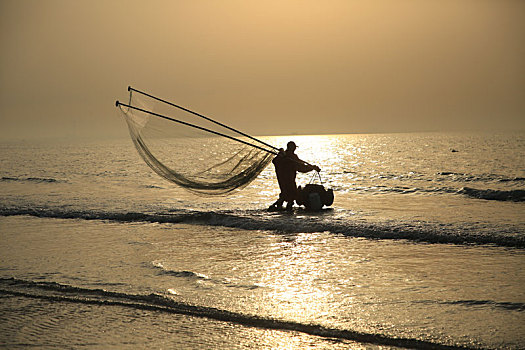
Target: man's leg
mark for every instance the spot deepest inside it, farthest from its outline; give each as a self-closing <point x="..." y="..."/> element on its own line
<point x="278" y="204"/>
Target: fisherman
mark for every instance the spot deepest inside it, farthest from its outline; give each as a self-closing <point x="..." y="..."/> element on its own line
<point x="287" y="164"/>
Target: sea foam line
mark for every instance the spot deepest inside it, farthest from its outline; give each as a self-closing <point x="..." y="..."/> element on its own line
<point x="288" y="223"/>
<point x="55" y="292"/>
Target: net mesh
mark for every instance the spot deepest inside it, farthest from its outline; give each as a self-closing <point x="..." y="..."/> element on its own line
<point x="196" y="160"/>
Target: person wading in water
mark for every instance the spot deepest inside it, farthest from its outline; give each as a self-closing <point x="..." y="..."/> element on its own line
<point x="287" y="164"/>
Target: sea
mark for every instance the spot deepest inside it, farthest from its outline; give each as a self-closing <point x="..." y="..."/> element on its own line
<point x="423" y="247"/>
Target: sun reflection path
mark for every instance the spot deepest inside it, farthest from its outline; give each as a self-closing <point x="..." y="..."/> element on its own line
<point x="293" y="277"/>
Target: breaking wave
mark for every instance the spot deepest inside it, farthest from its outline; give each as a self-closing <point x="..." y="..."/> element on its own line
<point x="61" y="293"/>
<point x="497" y="195"/>
<point x="286" y="223"/>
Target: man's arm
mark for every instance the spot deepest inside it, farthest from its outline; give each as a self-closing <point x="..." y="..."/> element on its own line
<point x="304" y="167"/>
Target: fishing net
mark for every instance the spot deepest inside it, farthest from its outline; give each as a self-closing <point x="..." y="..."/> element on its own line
<point x="195" y="159"/>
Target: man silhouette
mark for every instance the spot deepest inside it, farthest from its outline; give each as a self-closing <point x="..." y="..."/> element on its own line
<point x="287" y="164"/>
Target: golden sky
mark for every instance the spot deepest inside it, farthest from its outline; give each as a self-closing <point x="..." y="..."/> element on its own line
<point x="266" y="67"/>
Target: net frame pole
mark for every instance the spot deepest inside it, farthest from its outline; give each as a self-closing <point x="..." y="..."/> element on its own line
<point x="118" y="104"/>
<point x="202" y="116"/>
<point x="130" y="89"/>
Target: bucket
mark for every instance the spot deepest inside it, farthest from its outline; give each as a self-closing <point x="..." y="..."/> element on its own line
<point x="314" y="202"/>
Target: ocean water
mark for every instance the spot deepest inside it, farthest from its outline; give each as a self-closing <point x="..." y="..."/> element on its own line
<point x="423" y="248"/>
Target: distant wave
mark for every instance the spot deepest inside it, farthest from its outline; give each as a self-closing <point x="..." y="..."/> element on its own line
<point x="30" y="179"/>
<point x="285" y="223"/>
<point x="405" y="189"/>
<point x="488" y="194"/>
<point x="515" y="195"/>
<point x="489" y="303"/>
<point x="55" y="292"/>
<point x="461" y="177"/>
<point x="497" y="195"/>
<point x="439" y="177"/>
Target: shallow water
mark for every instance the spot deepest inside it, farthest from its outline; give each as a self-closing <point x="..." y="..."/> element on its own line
<point x="92" y="240"/>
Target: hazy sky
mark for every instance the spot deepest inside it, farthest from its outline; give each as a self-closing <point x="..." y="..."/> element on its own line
<point x="267" y="67"/>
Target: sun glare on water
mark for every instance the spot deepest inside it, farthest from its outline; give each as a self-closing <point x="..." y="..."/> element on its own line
<point x="290" y="278"/>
